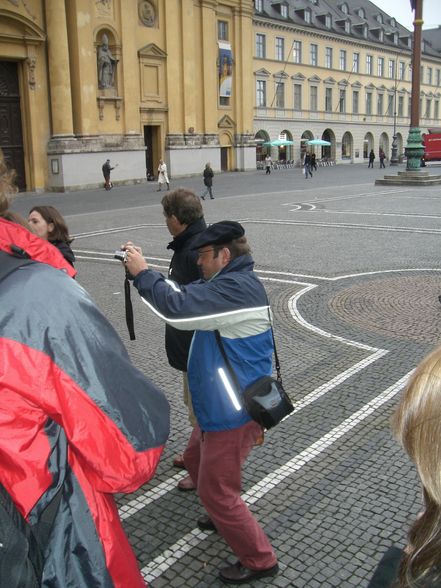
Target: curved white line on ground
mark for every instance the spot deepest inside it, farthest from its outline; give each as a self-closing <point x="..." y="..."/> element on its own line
<point x="175" y="552"/>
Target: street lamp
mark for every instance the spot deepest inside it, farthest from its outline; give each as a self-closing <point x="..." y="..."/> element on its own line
<point x="414" y="147"/>
<point x="394" y="151"/>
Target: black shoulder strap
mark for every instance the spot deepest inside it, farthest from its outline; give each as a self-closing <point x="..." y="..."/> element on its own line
<point x="11" y="261"/>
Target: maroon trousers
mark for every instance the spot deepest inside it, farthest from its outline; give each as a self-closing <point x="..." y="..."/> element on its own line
<point x="214" y="460"/>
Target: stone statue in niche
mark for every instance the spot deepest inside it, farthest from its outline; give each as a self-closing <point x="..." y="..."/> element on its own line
<point x="146" y="13"/>
<point x="106" y="64"/>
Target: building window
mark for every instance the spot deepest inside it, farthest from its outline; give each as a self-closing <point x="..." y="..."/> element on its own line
<point x="347" y="26"/>
<point x="438" y="77"/>
<point x="381" y="36"/>
<point x="355" y="97"/>
<point x="401" y="70"/>
<point x="328" y="57"/>
<point x="261" y="93"/>
<point x="297" y="52"/>
<point x="369" y="64"/>
<point x="436" y="110"/>
<point x="356" y="62"/>
<point x="328" y="99"/>
<point x="391" y="69"/>
<point x="343" y="59"/>
<point x="280" y="49"/>
<point x="422" y="73"/>
<point x="260" y="46"/>
<point x="284" y="10"/>
<point x="313" y="101"/>
<point x="401" y="106"/>
<point x="365" y="31"/>
<point x="368" y="102"/>
<point x="280" y="95"/>
<point x="344" y="8"/>
<point x="409" y="106"/>
<point x="222" y="30"/>
<point x="379" y="18"/>
<point x="361" y="13"/>
<point x="258" y="4"/>
<point x="380" y="67"/>
<point x="307" y="16"/>
<point x="297" y="97"/>
<point x="342" y="102"/>
<point x="328" y="21"/>
<point x="390" y="105"/>
<point x="429" y="75"/>
<point x="380" y="105"/>
<point x="314" y="54"/>
<point x="428" y="108"/>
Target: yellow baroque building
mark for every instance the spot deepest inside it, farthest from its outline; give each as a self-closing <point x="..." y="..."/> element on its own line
<point x="133" y="81"/>
<point x="338" y="71"/>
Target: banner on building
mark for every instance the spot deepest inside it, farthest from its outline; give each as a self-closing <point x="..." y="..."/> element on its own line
<point x="225" y="70"/>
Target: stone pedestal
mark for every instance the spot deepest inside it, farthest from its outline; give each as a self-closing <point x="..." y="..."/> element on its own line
<point x="417" y="177"/>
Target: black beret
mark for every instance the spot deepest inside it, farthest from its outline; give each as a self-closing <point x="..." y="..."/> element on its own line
<point x="219" y="233"/>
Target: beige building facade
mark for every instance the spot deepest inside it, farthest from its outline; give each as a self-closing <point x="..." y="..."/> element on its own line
<point x="82" y="81"/>
<point x="338" y="71"/>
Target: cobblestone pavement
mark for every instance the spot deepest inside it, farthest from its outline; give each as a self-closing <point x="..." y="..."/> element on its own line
<point x="353" y="275"/>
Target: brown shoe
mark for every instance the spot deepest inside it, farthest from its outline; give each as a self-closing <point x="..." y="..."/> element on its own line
<point x="186" y="484"/>
<point x="239" y="574"/>
<point x="178" y="462"/>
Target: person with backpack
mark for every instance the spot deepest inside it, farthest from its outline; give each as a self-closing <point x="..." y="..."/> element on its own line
<point x="78" y="422"/>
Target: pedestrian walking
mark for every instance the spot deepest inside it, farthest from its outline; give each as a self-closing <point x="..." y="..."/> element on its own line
<point x="313" y="162"/>
<point x="162" y="175"/>
<point x="268" y="164"/>
<point x="307" y="165"/>
<point x="107" y="168"/>
<point x="382" y="157"/>
<point x="371" y="159"/>
<point x="229" y="305"/>
<point x="208" y="181"/>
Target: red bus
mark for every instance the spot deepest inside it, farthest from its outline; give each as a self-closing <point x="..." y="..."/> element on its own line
<point x="432" y="144"/>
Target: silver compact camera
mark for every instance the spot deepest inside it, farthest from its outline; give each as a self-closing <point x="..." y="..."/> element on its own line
<point x="121" y="255"/>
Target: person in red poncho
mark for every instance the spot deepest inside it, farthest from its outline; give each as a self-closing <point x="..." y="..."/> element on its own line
<point x="75" y="415"/>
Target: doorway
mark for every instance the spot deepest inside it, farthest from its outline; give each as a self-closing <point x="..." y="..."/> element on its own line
<point x="224" y="158"/>
<point x="151" y="141"/>
<point x="11" y="134"/>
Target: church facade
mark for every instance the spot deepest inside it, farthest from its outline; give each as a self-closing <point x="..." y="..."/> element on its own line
<point x="82" y="81"/>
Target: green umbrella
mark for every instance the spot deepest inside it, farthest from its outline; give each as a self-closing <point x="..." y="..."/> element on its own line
<point x="278" y="143"/>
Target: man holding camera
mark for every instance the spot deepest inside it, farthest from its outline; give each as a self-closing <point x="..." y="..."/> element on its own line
<point x="232" y="301"/>
<point x="184" y="218"/>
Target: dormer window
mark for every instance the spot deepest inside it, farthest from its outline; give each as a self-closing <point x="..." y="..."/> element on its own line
<point x="361" y="13"/>
<point x="307" y="15"/>
<point x="344" y="8"/>
<point x="347" y="26"/>
<point x="395" y="38"/>
<point x="381" y="35"/>
<point x="284" y="10"/>
<point x="258" y="4"/>
<point x="365" y="31"/>
<point x="328" y="21"/>
<point x="393" y="22"/>
<point x="379" y="18"/>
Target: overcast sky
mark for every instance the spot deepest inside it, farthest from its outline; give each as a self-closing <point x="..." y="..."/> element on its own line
<point x="402" y="12"/>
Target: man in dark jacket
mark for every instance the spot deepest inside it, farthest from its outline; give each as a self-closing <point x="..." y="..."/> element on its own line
<point x="185" y="221"/>
<point x="107" y="168"/>
<point x="76" y="416"/>
<point x="208" y="181"/>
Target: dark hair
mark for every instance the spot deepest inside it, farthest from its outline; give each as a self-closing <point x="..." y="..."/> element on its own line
<point x="183" y="204"/>
<point x="236" y="247"/>
<point x="50" y="214"/>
